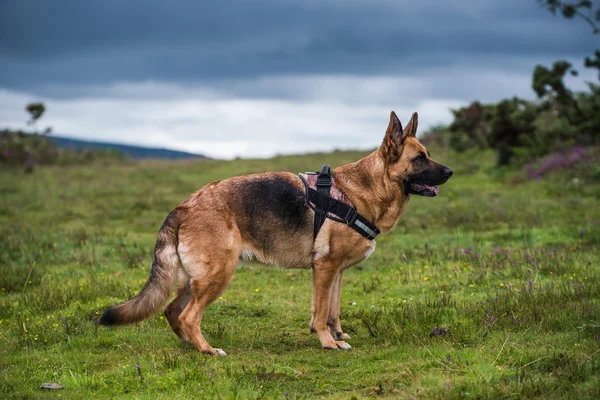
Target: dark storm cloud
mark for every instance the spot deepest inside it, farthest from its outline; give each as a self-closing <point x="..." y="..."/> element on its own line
<point x="98" y="42"/>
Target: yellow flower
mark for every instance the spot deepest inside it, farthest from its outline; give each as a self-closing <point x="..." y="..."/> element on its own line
<point x="425" y="278"/>
<point x="257" y="290"/>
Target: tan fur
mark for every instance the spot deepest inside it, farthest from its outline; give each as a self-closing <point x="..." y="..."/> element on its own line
<point x="213" y="228"/>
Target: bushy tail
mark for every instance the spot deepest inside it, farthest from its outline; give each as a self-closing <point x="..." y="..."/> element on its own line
<point x="160" y="283"/>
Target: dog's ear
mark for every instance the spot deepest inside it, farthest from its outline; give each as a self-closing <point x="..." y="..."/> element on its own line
<point x="393" y="138"/>
<point x="411" y="128"/>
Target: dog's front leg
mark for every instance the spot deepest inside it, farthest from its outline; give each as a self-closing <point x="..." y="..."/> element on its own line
<point x="324" y="275"/>
<point x="335" y="326"/>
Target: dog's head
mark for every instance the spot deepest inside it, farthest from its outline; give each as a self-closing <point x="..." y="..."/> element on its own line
<point x="408" y="162"/>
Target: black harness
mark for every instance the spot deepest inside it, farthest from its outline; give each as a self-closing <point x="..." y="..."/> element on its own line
<point x="324" y="204"/>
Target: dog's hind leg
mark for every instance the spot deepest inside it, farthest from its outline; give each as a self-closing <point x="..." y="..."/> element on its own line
<point x="324" y="275"/>
<point x="175" y="308"/>
<point x="211" y="272"/>
<point x="204" y="291"/>
<point x="335" y="326"/>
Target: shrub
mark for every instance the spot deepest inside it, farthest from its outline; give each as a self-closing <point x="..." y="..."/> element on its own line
<point x="21" y="149"/>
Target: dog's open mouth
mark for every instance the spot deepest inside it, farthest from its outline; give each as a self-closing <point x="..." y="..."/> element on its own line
<point x="424" y="190"/>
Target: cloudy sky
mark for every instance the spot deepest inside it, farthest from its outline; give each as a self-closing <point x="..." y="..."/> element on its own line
<point x="265" y="77"/>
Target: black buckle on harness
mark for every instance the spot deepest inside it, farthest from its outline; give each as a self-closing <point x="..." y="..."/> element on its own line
<point x="324" y="178"/>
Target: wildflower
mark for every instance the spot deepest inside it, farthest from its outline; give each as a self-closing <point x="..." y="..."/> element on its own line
<point x="467" y="251"/>
<point x="353" y="303"/>
<point x="257" y="290"/>
<point x="448" y="358"/>
<point x="139" y="371"/>
<point x="425" y="278"/>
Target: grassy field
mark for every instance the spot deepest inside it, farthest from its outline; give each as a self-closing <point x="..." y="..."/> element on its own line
<point x="509" y="266"/>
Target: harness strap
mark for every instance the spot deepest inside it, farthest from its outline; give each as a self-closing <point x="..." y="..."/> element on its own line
<point x="324" y="188"/>
<point x="324" y="206"/>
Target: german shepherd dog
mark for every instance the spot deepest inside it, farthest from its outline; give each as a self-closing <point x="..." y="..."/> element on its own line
<point x="265" y="216"/>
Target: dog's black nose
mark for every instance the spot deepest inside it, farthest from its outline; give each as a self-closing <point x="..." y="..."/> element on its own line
<point x="447" y="172"/>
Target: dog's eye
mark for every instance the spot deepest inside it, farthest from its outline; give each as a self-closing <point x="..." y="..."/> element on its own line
<point x="420" y="157"/>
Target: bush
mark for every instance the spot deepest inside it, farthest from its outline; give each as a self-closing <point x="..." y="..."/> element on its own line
<point x="21" y="149"/>
<point x="522" y="130"/>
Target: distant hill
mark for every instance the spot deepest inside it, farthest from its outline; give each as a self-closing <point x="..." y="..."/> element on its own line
<point x="131" y="151"/>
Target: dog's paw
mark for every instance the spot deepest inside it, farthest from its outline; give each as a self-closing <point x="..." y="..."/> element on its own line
<point x="341" y="336"/>
<point x="220" y="352"/>
<point x="214" y="352"/>
<point x="343" y="345"/>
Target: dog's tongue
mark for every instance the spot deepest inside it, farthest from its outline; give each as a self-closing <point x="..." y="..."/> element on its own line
<point x="426" y="190"/>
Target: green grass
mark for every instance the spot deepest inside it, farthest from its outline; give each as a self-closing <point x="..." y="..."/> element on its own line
<point x="509" y="266"/>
